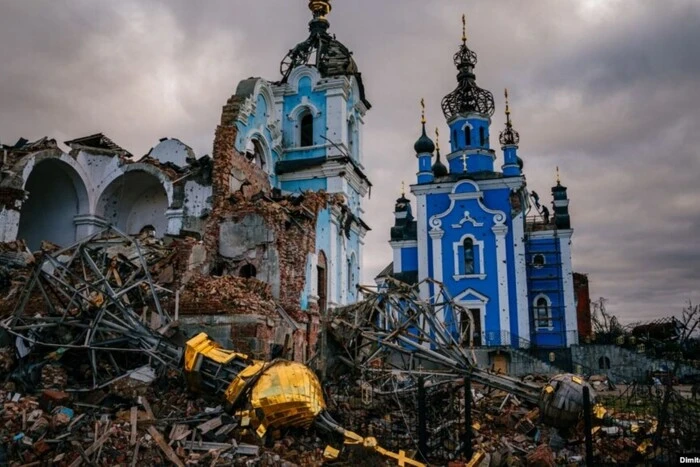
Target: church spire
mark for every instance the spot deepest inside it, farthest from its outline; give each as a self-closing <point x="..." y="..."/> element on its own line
<point x="320" y="8"/>
<point x="468" y="97"/>
<point x="424" y="148"/>
<point x="438" y="168"/>
<point x="424" y="145"/>
<point x="509" y="136"/>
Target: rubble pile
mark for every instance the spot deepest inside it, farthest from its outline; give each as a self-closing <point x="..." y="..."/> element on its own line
<point x="159" y="428"/>
<point x="15" y="266"/>
<point x="505" y="430"/>
<point x="227" y="295"/>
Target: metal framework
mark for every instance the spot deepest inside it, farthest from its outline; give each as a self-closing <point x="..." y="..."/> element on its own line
<point x="96" y="300"/>
<point x="395" y="330"/>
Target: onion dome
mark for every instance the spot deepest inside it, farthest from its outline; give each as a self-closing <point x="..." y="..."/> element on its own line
<point x="468" y="97"/>
<point x="509" y="137"/>
<point x="439" y="169"/>
<point x="323" y="51"/>
<point x="424" y="145"/>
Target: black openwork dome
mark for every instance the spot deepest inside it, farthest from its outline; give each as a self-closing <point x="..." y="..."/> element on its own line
<point x="468" y="97"/>
<point x="323" y="51"/>
<point x="465" y="57"/>
<point x="509" y="136"/>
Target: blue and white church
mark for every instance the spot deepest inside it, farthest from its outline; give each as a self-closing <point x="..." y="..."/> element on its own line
<point x="305" y="133"/>
<point x="477" y="229"/>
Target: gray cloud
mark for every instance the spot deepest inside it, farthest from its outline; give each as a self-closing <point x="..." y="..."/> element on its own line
<point x="604" y="89"/>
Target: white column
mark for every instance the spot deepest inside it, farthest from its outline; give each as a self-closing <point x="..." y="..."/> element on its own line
<point x="422" y="221"/>
<point x="9" y="224"/>
<point x="502" y="268"/>
<point x="332" y="259"/>
<point x="397" y="259"/>
<point x="87" y="224"/>
<point x="568" y="284"/>
<point x="343" y="265"/>
<point x="175" y="218"/>
<point x="436" y="235"/>
<point x="336" y="116"/>
<point x="521" y="279"/>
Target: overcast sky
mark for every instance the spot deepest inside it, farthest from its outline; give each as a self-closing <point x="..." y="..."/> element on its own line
<point x="608" y="90"/>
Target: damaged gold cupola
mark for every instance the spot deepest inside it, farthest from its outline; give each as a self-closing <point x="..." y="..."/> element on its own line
<point x="322" y="51"/>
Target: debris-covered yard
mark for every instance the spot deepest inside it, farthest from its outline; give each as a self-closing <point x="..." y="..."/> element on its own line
<point x="95" y="370"/>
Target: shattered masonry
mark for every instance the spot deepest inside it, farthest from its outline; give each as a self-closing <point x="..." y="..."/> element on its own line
<point x="220" y="215"/>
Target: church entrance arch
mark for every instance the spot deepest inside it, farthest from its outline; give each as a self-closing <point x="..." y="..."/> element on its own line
<point x="56" y="195"/>
<point x="133" y="201"/>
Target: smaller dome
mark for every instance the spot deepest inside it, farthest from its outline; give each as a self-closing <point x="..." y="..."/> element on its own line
<point x="424" y="144"/>
<point x="438" y="168"/>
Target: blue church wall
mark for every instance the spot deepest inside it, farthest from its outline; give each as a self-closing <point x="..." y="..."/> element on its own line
<point x="546" y="281"/>
<point x="257" y="127"/>
<point x="290" y="128"/>
<point x="409" y="259"/>
<point x="478" y="227"/>
<point x="459" y="137"/>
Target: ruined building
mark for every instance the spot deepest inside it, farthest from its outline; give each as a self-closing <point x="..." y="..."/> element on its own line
<point x="478" y="229"/>
<point x="266" y="232"/>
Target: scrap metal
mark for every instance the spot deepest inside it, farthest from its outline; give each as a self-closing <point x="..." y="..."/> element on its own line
<point x="96" y="303"/>
<point x="395" y="328"/>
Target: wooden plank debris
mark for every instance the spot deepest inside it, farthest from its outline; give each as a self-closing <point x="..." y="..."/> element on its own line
<point x="133" y="421"/>
<point x="167" y="450"/>
<point x="206" y="427"/>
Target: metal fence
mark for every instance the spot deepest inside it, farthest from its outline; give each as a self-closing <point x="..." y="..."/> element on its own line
<point x="393" y="417"/>
<point x="662" y="421"/>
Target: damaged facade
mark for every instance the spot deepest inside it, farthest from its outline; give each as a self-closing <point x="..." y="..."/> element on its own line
<point x="268" y="229"/>
<point x="480" y="231"/>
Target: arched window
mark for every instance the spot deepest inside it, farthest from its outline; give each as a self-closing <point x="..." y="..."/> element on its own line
<point x="322" y="281"/>
<point x="482" y="136"/>
<point x="468" y="135"/>
<point x="468" y="246"/>
<point x="603" y="363"/>
<point x="351" y="138"/>
<point x="307" y="130"/>
<point x="543" y="313"/>
<point x="248" y="271"/>
<point x="538" y="261"/>
<point x="255" y="153"/>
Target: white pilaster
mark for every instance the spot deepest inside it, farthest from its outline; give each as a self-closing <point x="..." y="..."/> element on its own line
<point x="9" y="224"/>
<point x="397" y="259"/>
<point x="521" y="278"/>
<point x="343" y="265"/>
<point x="568" y="285"/>
<point x="332" y="260"/>
<point x="175" y="220"/>
<point x="87" y="224"/>
<point x="436" y="235"/>
<point x="422" y="221"/>
<point x="500" y="231"/>
<point x="336" y="116"/>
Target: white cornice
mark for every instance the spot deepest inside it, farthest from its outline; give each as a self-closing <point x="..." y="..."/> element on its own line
<point x="553" y="233"/>
<point x="403" y="243"/>
<point x="330" y="169"/>
<point x="512" y="183"/>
